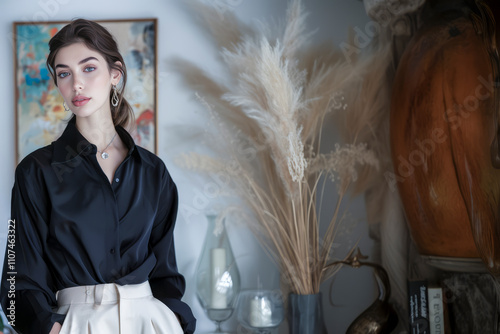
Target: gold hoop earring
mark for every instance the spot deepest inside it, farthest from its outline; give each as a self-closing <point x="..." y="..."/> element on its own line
<point x="65" y="107"/>
<point x="114" y="98"/>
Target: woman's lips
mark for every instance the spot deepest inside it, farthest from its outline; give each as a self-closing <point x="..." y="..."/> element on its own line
<point x="79" y="100"/>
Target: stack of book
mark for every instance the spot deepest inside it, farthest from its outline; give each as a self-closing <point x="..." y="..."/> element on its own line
<point x="426" y="307"/>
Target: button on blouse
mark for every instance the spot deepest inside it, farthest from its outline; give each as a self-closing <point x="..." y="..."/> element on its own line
<point x="74" y="227"/>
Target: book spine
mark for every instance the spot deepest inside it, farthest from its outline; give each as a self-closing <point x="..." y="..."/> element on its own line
<point x="418" y="307"/>
<point x="436" y="310"/>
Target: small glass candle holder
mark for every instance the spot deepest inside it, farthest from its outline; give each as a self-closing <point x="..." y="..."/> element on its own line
<point x="260" y="311"/>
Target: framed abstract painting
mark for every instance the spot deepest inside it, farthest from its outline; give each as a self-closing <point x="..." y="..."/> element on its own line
<point x="40" y="115"/>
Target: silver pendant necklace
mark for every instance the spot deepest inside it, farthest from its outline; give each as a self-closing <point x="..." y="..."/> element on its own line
<point x="104" y="154"/>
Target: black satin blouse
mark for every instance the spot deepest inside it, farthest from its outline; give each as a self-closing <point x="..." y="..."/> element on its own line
<point x="73" y="227"/>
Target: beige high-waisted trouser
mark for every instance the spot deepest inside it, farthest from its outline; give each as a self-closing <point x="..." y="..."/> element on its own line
<point x="115" y="309"/>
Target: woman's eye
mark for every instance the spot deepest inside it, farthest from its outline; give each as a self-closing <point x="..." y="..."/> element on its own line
<point x="63" y="75"/>
<point x="89" y="69"/>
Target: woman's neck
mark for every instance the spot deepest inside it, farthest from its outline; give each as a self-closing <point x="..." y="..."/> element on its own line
<point x="97" y="130"/>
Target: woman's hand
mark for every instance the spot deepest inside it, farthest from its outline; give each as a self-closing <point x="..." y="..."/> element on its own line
<point x="56" y="328"/>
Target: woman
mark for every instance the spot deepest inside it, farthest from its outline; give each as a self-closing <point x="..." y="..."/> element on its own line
<point x="94" y="213"/>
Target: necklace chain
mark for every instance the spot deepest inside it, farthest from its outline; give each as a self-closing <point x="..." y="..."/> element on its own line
<point x="104" y="154"/>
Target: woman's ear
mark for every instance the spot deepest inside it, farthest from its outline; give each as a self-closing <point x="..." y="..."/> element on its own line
<point x="116" y="75"/>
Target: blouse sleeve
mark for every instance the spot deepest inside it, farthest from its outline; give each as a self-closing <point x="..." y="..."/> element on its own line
<point x="167" y="283"/>
<point x="26" y="295"/>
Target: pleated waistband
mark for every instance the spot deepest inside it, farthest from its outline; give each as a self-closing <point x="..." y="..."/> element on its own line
<point x="102" y="293"/>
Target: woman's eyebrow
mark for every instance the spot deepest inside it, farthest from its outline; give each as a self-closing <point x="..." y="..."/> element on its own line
<point x="80" y="62"/>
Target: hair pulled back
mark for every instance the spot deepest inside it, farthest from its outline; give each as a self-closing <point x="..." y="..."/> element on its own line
<point x="96" y="38"/>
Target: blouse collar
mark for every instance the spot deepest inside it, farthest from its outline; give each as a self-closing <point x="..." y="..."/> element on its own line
<point x="72" y="143"/>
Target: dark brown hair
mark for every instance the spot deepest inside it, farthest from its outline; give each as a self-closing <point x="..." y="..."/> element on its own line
<point x="96" y="38"/>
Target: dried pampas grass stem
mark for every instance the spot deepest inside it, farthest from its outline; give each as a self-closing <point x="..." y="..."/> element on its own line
<point x="271" y="111"/>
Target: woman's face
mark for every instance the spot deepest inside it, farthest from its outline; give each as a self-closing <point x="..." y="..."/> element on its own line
<point x="84" y="79"/>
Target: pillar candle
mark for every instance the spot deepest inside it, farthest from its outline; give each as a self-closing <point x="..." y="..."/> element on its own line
<point x="260" y="312"/>
<point x="218" y="267"/>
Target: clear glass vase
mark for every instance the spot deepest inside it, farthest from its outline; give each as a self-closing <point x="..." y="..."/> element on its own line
<point x="217" y="275"/>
